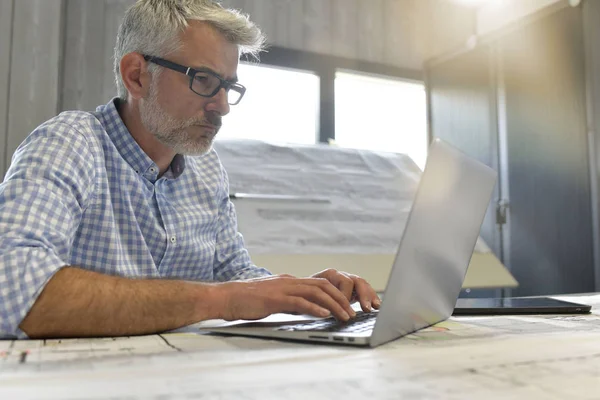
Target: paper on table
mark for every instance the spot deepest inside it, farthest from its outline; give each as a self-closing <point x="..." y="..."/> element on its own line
<point x="278" y="318"/>
<point x="362" y="198"/>
<point x="547" y="366"/>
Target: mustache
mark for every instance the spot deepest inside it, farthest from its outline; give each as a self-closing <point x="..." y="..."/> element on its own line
<point x="214" y="120"/>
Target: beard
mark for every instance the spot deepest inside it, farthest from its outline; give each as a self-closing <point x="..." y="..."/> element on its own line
<point x="173" y="132"/>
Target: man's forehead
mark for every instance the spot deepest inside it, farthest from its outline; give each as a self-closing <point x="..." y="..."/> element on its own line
<point x="205" y="46"/>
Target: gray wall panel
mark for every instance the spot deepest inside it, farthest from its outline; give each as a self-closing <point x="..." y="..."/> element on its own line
<point x="6" y="12"/>
<point x="404" y="37"/>
<point x="463" y="113"/>
<point x="317" y="25"/>
<point x="85" y="58"/>
<point x="371" y="30"/>
<point x="35" y="75"/>
<point x="550" y="206"/>
<point x="591" y="15"/>
<point x="113" y="14"/>
<point x="345" y="33"/>
<point x="264" y="16"/>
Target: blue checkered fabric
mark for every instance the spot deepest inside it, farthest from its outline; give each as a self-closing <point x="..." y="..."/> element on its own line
<point x="80" y="191"/>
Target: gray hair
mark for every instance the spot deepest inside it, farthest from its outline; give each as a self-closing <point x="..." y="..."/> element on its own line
<point x="153" y="27"/>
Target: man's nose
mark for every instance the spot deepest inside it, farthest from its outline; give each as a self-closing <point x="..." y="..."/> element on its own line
<point x="219" y="103"/>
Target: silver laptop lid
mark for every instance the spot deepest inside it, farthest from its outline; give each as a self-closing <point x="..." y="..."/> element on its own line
<point x="437" y="243"/>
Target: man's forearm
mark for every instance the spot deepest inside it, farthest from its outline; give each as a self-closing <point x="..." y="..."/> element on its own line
<point x="80" y="303"/>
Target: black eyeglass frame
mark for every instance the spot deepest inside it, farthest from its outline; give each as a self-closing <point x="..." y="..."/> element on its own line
<point x="191" y="72"/>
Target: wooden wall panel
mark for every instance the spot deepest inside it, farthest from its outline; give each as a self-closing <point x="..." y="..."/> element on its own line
<point x="288" y="26"/>
<point x="405" y="35"/>
<point x="345" y="28"/>
<point x="237" y="4"/>
<point x="295" y="11"/>
<point x="6" y="11"/>
<point x="449" y="26"/>
<point x="35" y="73"/>
<point x="263" y="14"/>
<point x="371" y="30"/>
<point x="317" y="26"/>
<point x="114" y="11"/>
<point x="85" y="58"/>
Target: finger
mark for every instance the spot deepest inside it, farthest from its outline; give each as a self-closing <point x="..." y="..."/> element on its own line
<point x="299" y="305"/>
<point x="318" y="296"/>
<point x="340" y="280"/>
<point x="327" y="295"/>
<point x="336" y="294"/>
<point x="366" y="294"/>
<point x="345" y="284"/>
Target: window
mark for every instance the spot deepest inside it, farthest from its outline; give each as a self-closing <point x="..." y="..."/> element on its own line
<point x="301" y="97"/>
<point x="280" y="105"/>
<point x="374" y="113"/>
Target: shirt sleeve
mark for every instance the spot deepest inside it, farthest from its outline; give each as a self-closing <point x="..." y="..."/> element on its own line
<point x="232" y="261"/>
<point x="46" y="189"/>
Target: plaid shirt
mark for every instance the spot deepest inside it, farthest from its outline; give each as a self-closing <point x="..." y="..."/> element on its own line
<point x="80" y="191"/>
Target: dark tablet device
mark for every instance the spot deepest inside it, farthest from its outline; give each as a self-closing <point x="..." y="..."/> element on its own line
<point x="518" y="305"/>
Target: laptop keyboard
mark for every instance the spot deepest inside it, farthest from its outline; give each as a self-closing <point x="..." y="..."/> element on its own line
<point x="361" y="323"/>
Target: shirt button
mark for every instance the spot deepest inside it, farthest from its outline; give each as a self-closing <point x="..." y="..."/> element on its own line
<point x="173" y="239"/>
<point x="152" y="169"/>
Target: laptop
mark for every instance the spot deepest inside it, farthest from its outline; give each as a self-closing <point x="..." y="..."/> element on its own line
<point x="430" y="264"/>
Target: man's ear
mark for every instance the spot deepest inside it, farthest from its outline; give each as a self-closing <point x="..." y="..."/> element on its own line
<point x="134" y="72"/>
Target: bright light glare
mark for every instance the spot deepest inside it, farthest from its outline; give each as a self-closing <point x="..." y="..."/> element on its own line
<point x="476" y="3"/>
<point x="280" y="105"/>
<point x="381" y="114"/>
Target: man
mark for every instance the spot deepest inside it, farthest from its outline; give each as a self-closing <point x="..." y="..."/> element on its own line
<point x="118" y="222"/>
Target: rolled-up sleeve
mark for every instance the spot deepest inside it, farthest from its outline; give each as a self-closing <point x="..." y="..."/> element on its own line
<point x="232" y="261"/>
<point x="48" y="186"/>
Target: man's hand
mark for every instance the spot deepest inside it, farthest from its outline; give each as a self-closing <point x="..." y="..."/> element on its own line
<point x="325" y="293"/>
<point x="259" y="298"/>
<point x="353" y="287"/>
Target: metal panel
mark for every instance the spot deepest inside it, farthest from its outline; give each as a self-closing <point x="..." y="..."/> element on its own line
<point x="345" y="31"/>
<point x="551" y="231"/>
<point x="35" y="73"/>
<point x="317" y="26"/>
<point x="6" y="14"/>
<point x="591" y="32"/>
<point x="84" y="55"/>
<point x="371" y="36"/>
<point x="463" y="112"/>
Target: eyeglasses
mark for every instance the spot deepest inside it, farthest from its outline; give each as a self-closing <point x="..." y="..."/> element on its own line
<point x="204" y="82"/>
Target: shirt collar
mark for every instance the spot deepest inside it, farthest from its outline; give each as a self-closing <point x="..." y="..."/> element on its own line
<point x="129" y="149"/>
